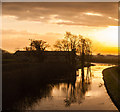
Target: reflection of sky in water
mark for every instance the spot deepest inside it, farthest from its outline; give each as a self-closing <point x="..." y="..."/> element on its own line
<point x="89" y="96"/>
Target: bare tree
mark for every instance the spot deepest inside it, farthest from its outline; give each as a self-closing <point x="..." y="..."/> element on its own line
<point x="27" y="48"/>
<point x="38" y="45"/>
<point x="61" y="45"/>
<point x="87" y="46"/>
<point x="69" y="43"/>
<point x="79" y="44"/>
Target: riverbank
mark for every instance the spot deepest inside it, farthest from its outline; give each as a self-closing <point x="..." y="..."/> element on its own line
<point x="112" y="84"/>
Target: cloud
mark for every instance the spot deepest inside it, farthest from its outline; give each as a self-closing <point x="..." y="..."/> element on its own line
<point x="70" y="13"/>
<point x="93" y="14"/>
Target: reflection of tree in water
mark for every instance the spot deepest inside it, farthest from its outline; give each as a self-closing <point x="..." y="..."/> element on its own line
<point x="88" y="75"/>
<point x="76" y="90"/>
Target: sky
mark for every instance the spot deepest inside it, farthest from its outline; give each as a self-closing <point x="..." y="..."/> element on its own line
<point x="50" y="20"/>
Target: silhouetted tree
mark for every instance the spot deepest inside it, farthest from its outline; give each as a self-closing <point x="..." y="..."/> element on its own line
<point x="38" y="45"/>
<point x="69" y="43"/>
<point x="61" y="45"/>
<point x="27" y="48"/>
<point x="73" y="42"/>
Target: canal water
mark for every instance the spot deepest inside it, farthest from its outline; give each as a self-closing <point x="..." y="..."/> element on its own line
<point x="88" y="95"/>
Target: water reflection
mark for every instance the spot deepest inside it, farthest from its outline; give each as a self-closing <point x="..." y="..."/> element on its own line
<point x="76" y="90"/>
<point x="72" y="90"/>
<point x="69" y="94"/>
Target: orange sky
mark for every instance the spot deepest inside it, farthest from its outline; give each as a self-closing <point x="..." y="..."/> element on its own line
<point x="50" y="21"/>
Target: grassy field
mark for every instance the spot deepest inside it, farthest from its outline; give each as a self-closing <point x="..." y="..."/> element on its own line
<point x="112" y="86"/>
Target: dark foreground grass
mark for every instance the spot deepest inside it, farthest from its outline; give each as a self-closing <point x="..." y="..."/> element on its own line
<point x="113" y="87"/>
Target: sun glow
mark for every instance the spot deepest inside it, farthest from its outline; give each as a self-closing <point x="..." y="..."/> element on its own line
<point x="108" y="36"/>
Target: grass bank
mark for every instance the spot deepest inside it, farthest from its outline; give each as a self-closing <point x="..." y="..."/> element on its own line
<point x="111" y="81"/>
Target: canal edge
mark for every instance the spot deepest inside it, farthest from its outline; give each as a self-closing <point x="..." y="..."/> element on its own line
<point x="108" y="90"/>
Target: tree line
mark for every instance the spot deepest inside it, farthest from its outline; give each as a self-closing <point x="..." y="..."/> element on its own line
<point x="70" y="42"/>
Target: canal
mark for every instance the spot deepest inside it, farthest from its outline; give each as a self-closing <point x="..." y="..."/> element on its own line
<point x="90" y="95"/>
